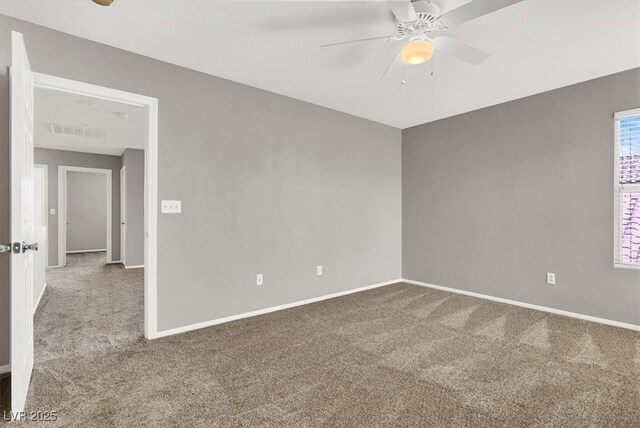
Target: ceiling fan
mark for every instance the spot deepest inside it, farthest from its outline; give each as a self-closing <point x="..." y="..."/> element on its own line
<point x="420" y="23"/>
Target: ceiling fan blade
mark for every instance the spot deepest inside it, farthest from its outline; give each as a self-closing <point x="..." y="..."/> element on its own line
<point x="368" y="39"/>
<point x="393" y="61"/>
<point x="474" y="9"/>
<point x="403" y="10"/>
<point x="457" y="49"/>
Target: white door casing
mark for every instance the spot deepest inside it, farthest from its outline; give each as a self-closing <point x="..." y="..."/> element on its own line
<point x="62" y="216"/>
<point x="123" y="214"/>
<point x="22" y="222"/>
<point x="40" y="230"/>
<point x="151" y="179"/>
<point x="44" y="220"/>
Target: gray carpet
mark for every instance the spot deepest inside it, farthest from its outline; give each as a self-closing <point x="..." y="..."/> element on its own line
<point x="400" y="355"/>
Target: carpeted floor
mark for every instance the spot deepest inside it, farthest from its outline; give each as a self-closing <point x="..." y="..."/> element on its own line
<point x="400" y="355"/>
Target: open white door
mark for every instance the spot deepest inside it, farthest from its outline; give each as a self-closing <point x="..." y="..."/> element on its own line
<point x="22" y="223"/>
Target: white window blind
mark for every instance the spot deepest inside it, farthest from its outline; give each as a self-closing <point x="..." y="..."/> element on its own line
<point x="627" y="189"/>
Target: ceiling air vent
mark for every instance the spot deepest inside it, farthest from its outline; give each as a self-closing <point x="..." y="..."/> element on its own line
<point x="77" y="131"/>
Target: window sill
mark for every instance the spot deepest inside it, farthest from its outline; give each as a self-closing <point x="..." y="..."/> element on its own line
<point x="625" y="266"/>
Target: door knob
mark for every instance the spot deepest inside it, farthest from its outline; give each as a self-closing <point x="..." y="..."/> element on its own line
<point x="26" y="246"/>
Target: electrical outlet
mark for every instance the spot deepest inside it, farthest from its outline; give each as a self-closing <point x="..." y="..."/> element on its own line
<point x="171" y="207"/>
<point x="551" y="278"/>
<point x="259" y="279"/>
<point x="319" y="270"/>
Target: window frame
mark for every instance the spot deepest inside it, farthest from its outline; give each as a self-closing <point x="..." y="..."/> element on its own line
<point x="619" y="189"/>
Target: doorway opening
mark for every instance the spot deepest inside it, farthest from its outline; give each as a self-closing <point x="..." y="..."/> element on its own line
<point x="84" y="205"/>
<point x="116" y="106"/>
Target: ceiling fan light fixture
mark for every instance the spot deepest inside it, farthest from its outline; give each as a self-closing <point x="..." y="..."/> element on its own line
<point x="103" y="2"/>
<point x="416" y="52"/>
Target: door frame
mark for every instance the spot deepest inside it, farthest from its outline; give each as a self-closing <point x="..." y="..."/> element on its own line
<point x="123" y="215"/>
<point x="62" y="209"/>
<point x="45" y="167"/>
<point x="150" y="105"/>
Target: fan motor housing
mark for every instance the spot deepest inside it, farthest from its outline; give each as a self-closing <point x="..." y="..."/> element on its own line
<point x="425" y="6"/>
<point x="427" y="21"/>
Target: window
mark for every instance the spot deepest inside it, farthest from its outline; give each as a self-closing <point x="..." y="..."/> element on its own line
<point x="627" y="189"/>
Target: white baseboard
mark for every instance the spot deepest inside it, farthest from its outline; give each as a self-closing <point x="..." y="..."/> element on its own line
<point x="529" y="306"/>
<point x="104" y="250"/>
<point x="5" y="369"/>
<point x="268" y="310"/>
<point x="35" y="307"/>
<point x="53" y="267"/>
<point x="230" y="318"/>
<point x="134" y="267"/>
<point x="114" y="262"/>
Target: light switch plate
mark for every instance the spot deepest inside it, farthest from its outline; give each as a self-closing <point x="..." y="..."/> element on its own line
<point x="319" y="270"/>
<point x="551" y="278"/>
<point x="171" y="207"/>
<point x="259" y="279"/>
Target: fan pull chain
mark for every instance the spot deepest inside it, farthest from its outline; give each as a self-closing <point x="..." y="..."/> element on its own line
<point x="403" y="81"/>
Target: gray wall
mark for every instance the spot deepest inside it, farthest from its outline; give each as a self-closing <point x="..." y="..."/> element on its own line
<point x="55" y="158"/>
<point x="495" y="198"/>
<point x="133" y="160"/>
<point x="86" y="211"/>
<point x="269" y="184"/>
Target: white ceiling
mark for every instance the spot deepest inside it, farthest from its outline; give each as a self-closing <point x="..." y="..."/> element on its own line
<point x="65" y="108"/>
<point x="535" y="46"/>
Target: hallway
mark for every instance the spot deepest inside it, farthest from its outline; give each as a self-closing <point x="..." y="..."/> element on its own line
<point x="89" y="310"/>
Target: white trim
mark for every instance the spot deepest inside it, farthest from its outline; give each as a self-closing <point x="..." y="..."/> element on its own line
<point x="151" y="179"/>
<point x="626" y="266"/>
<point x="46" y="206"/>
<point x="35" y="307"/>
<point x="56" y="83"/>
<point x="123" y="213"/>
<point x="217" y="321"/>
<point x="115" y="262"/>
<point x="528" y="305"/>
<point x="5" y="369"/>
<point x="133" y="267"/>
<point x="632" y="112"/>
<point x="151" y="222"/>
<point x="87" y="251"/>
<point x="53" y="267"/>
